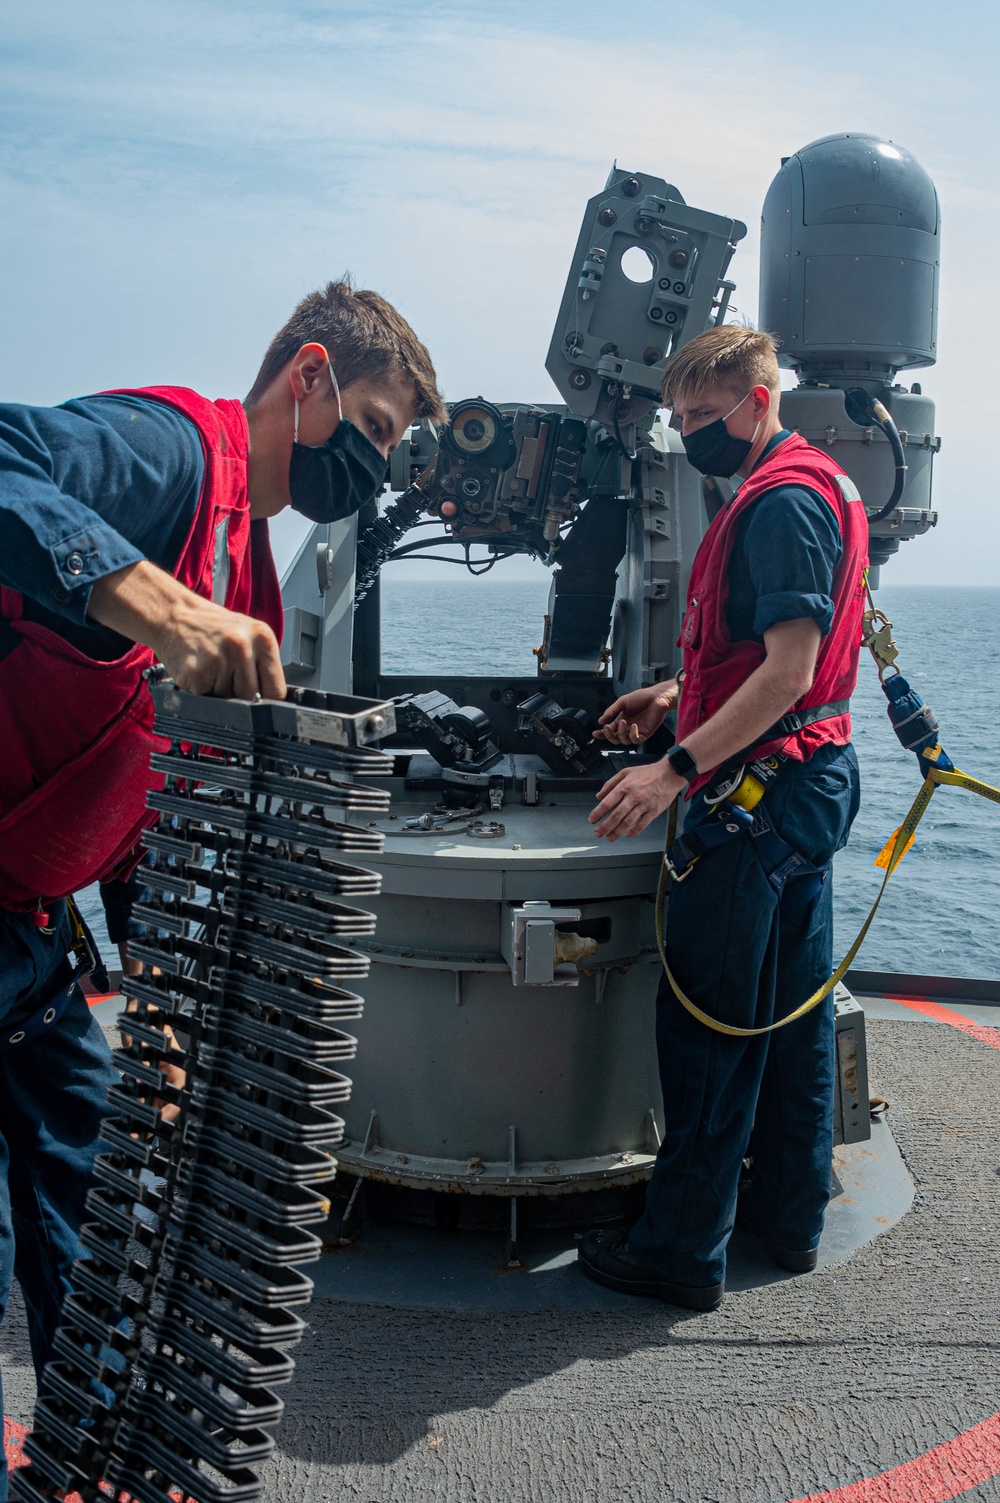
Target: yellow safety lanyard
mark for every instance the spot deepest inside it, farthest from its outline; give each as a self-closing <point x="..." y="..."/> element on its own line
<point x="878" y="639"/>
<point x="80" y="946"/>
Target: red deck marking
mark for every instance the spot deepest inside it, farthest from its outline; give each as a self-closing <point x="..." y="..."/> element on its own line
<point x="981" y="1031"/>
<point x="93" y="998"/>
<point x="973" y="1457"/>
<point x="13" y="1439"/>
<point x="945" y="1472"/>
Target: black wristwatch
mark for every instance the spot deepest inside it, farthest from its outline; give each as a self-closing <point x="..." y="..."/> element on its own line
<point x="682" y="762"/>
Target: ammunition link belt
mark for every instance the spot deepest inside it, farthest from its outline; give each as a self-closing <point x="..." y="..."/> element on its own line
<point x="174" y="1338"/>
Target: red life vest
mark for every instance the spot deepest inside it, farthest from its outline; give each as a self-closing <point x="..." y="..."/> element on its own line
<point x="76" y="733"/>
<point x="715" y="666"/>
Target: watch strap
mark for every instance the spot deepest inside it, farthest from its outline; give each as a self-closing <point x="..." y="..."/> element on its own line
<point x="682" y="762"/>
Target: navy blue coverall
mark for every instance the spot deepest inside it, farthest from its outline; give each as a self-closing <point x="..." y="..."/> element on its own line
<point x="747" y="956"/>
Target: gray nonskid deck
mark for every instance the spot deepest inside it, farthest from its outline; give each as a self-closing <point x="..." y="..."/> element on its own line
<point x="786" y="1390"/>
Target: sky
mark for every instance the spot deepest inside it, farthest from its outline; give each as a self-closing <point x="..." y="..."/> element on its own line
<point x="175" y="175"/>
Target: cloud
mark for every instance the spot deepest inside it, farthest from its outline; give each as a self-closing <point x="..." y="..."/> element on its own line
<point x="175" y="177"/>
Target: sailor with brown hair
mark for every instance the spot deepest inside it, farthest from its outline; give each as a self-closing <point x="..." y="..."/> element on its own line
<point x="133" y="530"/>
<point x="771" y="638"/>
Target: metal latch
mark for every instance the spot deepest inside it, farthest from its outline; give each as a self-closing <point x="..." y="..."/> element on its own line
<point x="531" y="944"/>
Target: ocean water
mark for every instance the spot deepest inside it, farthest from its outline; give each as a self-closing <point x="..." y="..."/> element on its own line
<point x="940" y="913"/>
<point x="941" y="910"/>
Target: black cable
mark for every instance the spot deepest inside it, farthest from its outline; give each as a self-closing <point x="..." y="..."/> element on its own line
<point x="884" y="419"/>
<point x="618" y="433"/>
<point x="864" y="409"/>
<point x="422" y="543"/>
<point x="487" y="565"/>
<point x="436" y="558"/>
<point x="414" y="553"/>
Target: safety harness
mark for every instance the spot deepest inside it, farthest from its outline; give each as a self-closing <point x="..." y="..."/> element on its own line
<point x="82" y="959"/>
<point x="735" y="800"/>
<point x="738" y="812"/>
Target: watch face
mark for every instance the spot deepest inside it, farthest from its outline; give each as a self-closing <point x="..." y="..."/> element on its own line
<point x="682" y="762"/>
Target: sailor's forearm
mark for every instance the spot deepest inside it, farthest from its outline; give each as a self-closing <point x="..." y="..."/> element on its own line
<point x="204" y="647"/>
<point x="137" y="601"/>
<point x="768" y="694"/>
<point x="755" y="706"/>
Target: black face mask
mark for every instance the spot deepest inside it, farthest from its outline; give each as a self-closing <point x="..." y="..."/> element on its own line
<point x="334" y="480"/>
<point x="714" y="451"/>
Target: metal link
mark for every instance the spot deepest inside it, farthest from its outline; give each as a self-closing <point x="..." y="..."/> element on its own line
<point x="197" y="1225"/>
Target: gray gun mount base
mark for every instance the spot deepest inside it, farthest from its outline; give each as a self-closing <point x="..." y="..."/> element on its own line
<point x="493" y="1070"/>
<point x="468" y="1081"/>
<point x="176" y="1333"/>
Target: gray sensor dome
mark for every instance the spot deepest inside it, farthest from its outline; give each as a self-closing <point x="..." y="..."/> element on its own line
<point x="849" y="260"/>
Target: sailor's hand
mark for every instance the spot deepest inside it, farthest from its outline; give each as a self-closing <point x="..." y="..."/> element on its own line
<point x="204" y="647"/>
<point x="172" y="1074"/>
<point x="634" y="717"/>
<point x="632" y="799"/>
<point x="210" y="650"/>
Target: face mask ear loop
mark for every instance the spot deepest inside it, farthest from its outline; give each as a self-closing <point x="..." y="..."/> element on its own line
<point x="296" y="419"/>
<point x="336" y="390"/>
<point x="738" y="405"/>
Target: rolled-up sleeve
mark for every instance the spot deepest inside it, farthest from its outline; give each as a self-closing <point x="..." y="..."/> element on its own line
<point x="793" y="546"/>
<point x="87" y="489"/>
<point x="52" y="546"/>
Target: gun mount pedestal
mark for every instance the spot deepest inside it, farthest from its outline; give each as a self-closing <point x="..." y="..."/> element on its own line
<point x="469" y="1080"/>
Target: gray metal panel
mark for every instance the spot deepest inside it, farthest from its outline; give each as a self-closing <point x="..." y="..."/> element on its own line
<point x="666" y="523"/>
<point x="594" y="884"/>
<point x="944" y="988"/>
<point x="423" y="881"/>
<point x="300" y="643"/>
<point x="851" y="1104"/>
<point x="320" y="583"/>
<point x="449" y="1061"/>
<point x="612" y="330"/>
<point x="819" y="414"/>
<point x="831" y="281"/>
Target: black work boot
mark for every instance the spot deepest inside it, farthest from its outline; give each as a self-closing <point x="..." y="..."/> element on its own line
<point x="791" y="1259"/>
<point x="604" y="1256"/>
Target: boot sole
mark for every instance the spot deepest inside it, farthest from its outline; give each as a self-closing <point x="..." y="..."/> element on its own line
<point x="792" y="1261"/>
<point x="685" y="1296"/>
